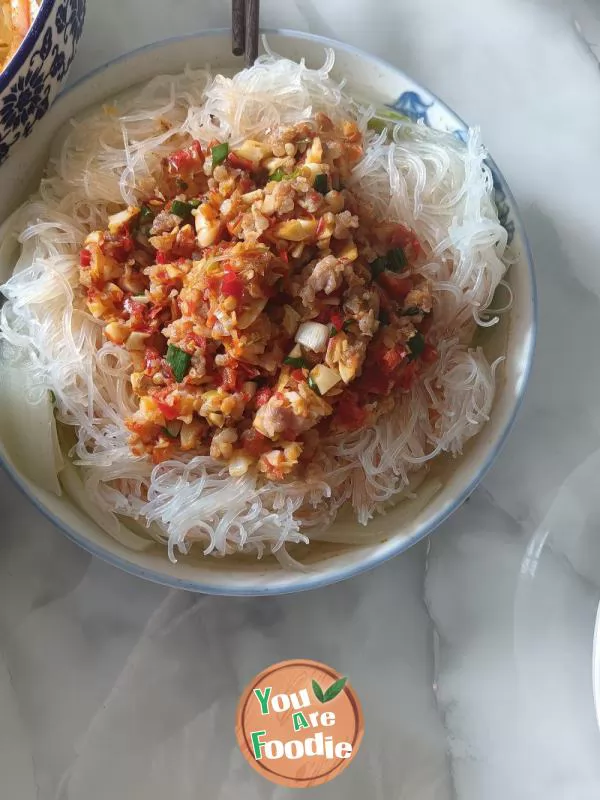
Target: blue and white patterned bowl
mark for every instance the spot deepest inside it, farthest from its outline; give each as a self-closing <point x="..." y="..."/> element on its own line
<point x="366" y="77"/>
<point x="38" y="69"/>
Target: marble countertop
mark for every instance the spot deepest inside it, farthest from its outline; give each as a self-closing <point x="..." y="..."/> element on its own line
<point x="471" y="653"/>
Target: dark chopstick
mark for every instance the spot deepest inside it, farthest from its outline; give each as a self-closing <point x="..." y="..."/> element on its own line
<point x="252" y="14"/>
<point x="238" y="26"/>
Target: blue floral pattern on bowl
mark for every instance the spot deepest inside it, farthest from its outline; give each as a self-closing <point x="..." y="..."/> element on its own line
<point x="412" y="106"/>
<point x="35" y="74"/>
<point x="416" y="108"/>
<point x="502" y="206"/>
<point x="461" y="134"/>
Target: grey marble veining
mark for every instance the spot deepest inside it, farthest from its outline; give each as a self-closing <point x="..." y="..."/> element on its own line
<point x="125" y="689"/>
<point x="471" y="656"/>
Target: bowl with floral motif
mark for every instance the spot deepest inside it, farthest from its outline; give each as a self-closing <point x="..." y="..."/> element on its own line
<point x="37" y="68"/>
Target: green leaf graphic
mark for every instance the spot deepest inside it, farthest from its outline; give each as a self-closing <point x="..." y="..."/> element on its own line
<point x="318" y="691"/>
<point x="334" y="690"/>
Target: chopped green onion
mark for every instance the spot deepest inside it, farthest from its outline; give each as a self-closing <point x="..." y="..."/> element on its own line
<point x="181" y="209"/>
<point x="146" y="215"/>
<point x="416" y="345"/>
<point x="195" y="202"/>
<point x="281" y="175"/>
<point x="393" y="260"/>
<point x="412" y="311"/>
<point x="396" y="259"/>
<point x="181" y="185"/>
<point x="395" y="116"/>
<point x="312" y="385"/>
<point x="52" y="397"/>
<point x="377" y="125"/>
<point x="385" y="120"/>
<point x="219" y="153"/>
<point x="378" y="266"/>
<point x="179" y="361"/>
<point x="321" y="183"/>
<point x="297" y="363"/>
<point x="333" y="331"/>
<point x="168" y="433"/>
<point x="384" y="317"/>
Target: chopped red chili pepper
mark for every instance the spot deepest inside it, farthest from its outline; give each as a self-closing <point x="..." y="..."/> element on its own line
<point x="262" y="396"/>
<point x="245" y="184"/>
<point x="229" y="379"/>
<point x="396" y="287"/>
<point x="349" y="413"/>
<point x="391" y="359"/>
<point x="147" y="432"/>
<point x="169" y="412"/>
<point x="298" y="375"/>
<point x="136" y="311"/>
<point x="162" y="257"/>
<point x="405" y="238"/>
<point x="152" y="359"/>
<point x="85" y="257"/>
<point x="337" y="321"/>
<point x="429" y="354"/>
<point x="199" y="341"/>
<point x="240" y="163"/>
<point x="118" y="247"/>
<point x="374" y="380"/>
<point x="254" y="443"/>
<point x="232" y="285"/>
<point x="187" y="158"/>
<point x="249" y="370"/>
<point x="157" y="311"/>
<point x="179" y="160"/>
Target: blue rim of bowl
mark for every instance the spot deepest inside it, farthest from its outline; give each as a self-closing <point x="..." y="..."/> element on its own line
<point x="389" y="549"/>
<point x="27" y="45"/>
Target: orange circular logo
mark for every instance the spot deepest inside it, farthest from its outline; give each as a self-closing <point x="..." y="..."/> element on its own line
<point x="299" y="723"/>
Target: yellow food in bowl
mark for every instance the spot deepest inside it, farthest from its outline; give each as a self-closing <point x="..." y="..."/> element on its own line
<point x="16" y="17"/>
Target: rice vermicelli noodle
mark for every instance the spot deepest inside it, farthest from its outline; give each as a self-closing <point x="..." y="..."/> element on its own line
<point x="430" y="183"/>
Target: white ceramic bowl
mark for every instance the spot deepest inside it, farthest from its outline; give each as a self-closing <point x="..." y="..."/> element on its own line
<point x="39" y="68"/>
<point x="367" y="77"/>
